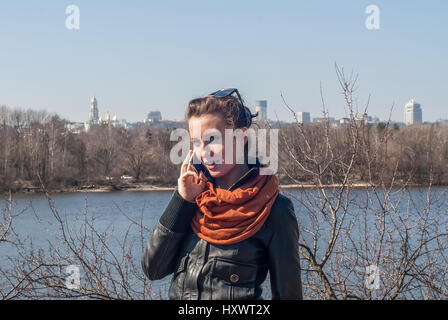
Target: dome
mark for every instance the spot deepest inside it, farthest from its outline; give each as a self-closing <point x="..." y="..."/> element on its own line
<point x="93" y="99"/>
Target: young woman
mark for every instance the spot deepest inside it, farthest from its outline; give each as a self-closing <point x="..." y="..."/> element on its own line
<point x="220" y="235"/>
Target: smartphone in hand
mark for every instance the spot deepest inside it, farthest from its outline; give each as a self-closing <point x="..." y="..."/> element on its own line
<point x="196" y="163"/>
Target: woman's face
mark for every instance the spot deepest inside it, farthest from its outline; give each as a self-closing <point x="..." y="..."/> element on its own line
<point x="207" y="133"/>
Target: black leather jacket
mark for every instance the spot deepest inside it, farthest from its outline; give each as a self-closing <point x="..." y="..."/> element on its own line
<point x="202" y="270"/>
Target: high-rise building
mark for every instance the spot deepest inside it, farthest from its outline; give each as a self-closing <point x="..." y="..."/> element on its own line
<point x="261" y="106"/>
<point x="303" y="117"/>
<point x="93" y="117"/>
<point x="412" y="112"/>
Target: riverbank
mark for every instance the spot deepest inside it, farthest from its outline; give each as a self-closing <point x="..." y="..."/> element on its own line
<point x="142" y="187"/>
<point x="95" y="189"/>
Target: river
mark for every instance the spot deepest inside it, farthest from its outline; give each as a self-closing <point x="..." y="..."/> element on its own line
<point x="114" y="210"/>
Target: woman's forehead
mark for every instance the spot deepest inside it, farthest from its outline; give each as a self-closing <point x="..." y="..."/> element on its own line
<point x="197" y="125"/>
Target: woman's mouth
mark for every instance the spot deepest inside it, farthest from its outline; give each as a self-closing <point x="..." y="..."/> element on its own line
<point x="210" y="165"/>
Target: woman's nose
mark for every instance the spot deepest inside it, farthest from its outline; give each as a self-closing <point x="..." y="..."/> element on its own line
<point x="207" y="153"/>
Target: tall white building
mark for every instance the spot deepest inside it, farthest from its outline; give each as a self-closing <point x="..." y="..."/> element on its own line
<point x="303" y="117"/>
<point x="412" y="112"/>
<point x="93" y="116"/>
<point x="261" y="106"/>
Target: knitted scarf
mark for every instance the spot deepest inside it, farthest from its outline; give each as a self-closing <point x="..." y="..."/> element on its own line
<point x="228" y="217"/>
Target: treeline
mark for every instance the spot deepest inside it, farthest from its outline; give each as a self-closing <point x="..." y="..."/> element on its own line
<point x="36" y="144"/>
<point x="384" y="154"/>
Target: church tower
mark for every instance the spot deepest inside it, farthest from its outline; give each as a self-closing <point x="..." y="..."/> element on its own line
<point x="93" y="117"/>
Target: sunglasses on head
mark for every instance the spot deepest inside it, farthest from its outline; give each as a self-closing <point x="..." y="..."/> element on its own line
<point x="226" y="93"/>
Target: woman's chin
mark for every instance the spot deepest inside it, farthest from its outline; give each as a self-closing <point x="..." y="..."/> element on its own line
<point x="217" y="171"/>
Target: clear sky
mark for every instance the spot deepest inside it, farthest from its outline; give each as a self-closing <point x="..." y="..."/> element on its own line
<point x="139" y="56"/>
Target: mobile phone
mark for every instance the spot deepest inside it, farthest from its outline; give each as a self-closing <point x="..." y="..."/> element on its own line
<point x="196" y="163"/>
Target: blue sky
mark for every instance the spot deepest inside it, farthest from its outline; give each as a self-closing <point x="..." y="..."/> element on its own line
<point x="138" y="56"/>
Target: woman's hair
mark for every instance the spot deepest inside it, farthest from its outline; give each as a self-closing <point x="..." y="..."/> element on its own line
<point x="232" y="110"/>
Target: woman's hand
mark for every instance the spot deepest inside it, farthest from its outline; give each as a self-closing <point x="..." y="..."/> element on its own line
<point x="189" y="184"/>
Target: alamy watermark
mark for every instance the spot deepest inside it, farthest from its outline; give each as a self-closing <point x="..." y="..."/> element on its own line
<point x="73" y="280"/>
<point x="257" y="142"/>
<point x="373" y="18"/>
<point x="72" y="21"/>
<point x="372" y="281"/>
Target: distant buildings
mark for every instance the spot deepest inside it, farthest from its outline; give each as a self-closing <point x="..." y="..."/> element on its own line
<point x="412" y="113"/>
<point x="323" y="119"/>
<point x="366" y="119"/>
<point x="261" y="106"/>
<point x="93" y="117"/>
<point x="75" y="127"/>
<point x="343" y="121"/>
<point x="303" y="117"/>
<point x="153" y="119"/>
<point x="153" y="116"/>
<point x="96" y="120"/>
<point x="372" y="120"/>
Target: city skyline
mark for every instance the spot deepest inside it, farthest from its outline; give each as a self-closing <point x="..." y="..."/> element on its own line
<point x="412" y="114"/>
<point x="159" y="56"/>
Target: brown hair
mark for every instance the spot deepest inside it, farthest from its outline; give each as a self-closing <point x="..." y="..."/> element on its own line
<point x="233" y="111"/>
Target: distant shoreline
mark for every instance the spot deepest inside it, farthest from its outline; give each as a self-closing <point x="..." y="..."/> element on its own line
<point x="148" y="188"/>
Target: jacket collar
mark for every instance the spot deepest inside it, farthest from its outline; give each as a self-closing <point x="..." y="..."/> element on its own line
<point x="253" y="171"/>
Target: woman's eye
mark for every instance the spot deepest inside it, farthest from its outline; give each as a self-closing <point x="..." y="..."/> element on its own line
<point x="211" y="139"/>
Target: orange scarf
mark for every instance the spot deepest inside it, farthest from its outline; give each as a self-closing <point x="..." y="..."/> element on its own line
<point x="228" y="217"/>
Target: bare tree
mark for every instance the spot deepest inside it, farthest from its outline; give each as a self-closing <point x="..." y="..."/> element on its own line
<point x="371" y="205"/>
<point x="373" y="242"/>
<point x="107" y="271"/>
<point x="6" y="219"/>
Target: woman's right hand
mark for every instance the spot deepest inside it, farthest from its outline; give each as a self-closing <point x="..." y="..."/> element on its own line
<point x="190" y="184"/>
